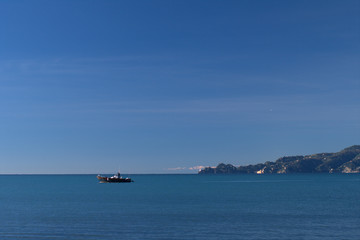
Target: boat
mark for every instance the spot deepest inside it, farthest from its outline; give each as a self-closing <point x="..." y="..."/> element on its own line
<point x="117" y="178"/>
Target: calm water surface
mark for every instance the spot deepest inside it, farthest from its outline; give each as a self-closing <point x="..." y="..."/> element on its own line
<point x="305" y="206"/>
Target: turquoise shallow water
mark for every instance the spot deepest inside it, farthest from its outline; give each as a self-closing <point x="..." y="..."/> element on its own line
<point x="305" y="206"/>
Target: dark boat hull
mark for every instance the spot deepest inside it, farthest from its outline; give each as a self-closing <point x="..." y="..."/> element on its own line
<point x="114" y="180"/>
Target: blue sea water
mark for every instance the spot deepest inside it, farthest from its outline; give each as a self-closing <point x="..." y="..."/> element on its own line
<point x="304" y="206"/>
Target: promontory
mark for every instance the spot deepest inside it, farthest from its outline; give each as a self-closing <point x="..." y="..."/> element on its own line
<point x="345" y="161"/>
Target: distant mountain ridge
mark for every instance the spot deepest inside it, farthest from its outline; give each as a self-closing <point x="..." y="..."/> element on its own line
<point x="345" y="161"/>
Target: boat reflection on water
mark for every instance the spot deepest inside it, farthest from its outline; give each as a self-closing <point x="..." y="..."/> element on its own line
<point x="114" y="179"/>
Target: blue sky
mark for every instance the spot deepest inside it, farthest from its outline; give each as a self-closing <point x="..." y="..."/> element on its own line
<point x="164" y="86"/>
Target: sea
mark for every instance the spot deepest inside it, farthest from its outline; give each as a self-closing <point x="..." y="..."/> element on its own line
<point x="296" y="206"/>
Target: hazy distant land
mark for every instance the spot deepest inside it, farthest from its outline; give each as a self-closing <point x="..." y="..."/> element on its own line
<point x="345" y="161"/>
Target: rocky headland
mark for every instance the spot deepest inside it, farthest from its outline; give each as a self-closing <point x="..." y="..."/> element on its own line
<point x="345" y="161"/>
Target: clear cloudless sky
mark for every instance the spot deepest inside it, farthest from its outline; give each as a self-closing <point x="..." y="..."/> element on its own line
<point x="165" y="86"/>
